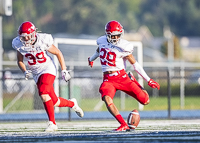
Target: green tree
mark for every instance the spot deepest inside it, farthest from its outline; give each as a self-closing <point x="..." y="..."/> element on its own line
<point x="89" y="16"/>
<point x="72" y="16"/>
<point x="182" y="16"/>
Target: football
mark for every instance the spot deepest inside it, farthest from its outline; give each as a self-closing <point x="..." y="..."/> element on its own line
<point x="133" y="119"/>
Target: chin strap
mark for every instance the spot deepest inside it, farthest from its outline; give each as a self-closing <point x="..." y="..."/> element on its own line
<point x="140" y="71"/>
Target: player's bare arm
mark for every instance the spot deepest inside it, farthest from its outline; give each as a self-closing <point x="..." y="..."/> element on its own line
<point x="55" y="51"/>
<point x="20" y="62"/>
<point x="131" y="59"/>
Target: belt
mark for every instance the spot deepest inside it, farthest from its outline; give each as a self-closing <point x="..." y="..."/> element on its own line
<point x="113" y="73"/>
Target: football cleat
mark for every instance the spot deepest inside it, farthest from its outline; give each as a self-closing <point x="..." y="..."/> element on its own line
<point x="122" y="128"/>
<point x="76" y="108"/>
<point x="51" y="127"/>
<point x="131" y="76"/>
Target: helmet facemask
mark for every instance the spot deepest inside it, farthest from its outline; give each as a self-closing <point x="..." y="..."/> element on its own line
<point x="28" y="39"/>
<point x="114" y="37"/>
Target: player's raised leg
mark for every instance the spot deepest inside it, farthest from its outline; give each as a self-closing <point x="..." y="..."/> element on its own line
<point x="72" y="103"/>
<point x="76" y="108"/>
<point x="62" y="102"/>
<point x="131" y="76"/>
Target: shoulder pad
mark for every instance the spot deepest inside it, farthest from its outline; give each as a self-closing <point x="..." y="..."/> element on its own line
<point x="16" y="43"/>
<point x="127" y="46"/>
<point x="46" y="38"/>
<point x="102" y="40"/>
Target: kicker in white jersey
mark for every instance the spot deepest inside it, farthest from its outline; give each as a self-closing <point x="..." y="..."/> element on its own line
<point x="112" y="56"/>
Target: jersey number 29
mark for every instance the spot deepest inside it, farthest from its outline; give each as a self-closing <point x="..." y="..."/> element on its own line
<point x="107" y="57"/>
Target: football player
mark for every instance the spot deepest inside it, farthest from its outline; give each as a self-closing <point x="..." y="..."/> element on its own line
<point x="113" y="52"/>
<point x="34" y="48"/>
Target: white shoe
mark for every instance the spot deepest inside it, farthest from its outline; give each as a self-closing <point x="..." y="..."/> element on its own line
<point x="51" y="127"/>
<point x="76" y="108"/>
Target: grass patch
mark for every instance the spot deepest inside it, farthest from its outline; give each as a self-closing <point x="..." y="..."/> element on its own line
<point x="156" y="103"/>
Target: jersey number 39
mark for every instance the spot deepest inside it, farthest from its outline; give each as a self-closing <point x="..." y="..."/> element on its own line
<point x="39" y="57"/>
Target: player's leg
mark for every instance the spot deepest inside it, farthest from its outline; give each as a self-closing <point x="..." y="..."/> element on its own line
<point x="62" y="102"/>
<point x="108" y="91"/>
<point x="131" y="76"/>
<point x="110" y="105"/>
<point x="146" y="95"/>
<point x="72" y="103"/>
<point x="44" y="86"/>
<point x="115" y="112"/>
<point x="49" y="107"/>
<point x="138" y="93"/>
<point x="134" y="89"/>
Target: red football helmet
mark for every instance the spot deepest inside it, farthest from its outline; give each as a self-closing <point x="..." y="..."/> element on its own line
<point x="27" y="33"/>
<point x="113" y="28"/>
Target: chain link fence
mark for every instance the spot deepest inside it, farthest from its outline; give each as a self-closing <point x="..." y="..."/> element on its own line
<point x="178" y="96"/>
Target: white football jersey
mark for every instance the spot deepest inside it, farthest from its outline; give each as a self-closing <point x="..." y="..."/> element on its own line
<point x="38" y="60"/>
<point x="112" y="56"/>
